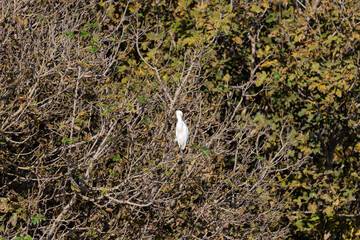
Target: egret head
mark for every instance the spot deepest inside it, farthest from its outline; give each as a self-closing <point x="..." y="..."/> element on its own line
<point x="179" y="114"/>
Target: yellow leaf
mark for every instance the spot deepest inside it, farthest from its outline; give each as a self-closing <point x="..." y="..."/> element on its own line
<point x="237" y="40"/>
<point x="226" y="77"/>
<point x="141" y="72"/>
<point x="269" y="63"/>
<point x="203" y="6"/>
<point x="322" y="88"/>
<point x="312" y="208"/>
<point x="295" y="54"/>
<point x="165" y="77"/>
<point x="82" y="113"/>
<point x="338" y="92"/>
<point x="265" y="4"/>
<point x="255" y="8"/>
<point x="329" y="210"/>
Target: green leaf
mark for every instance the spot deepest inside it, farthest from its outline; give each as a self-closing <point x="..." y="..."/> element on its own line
<point x="87" y="25"/>
<point x="302" y="112"/>
<point x="91" y="25"/>
<point x="94" y="48"/>
<point x="194" y="146"/>
<point x="66" y="140"/>
<point x="117" y="159"/>
<point x="145" y="121"/>
<point x="314" y="218"/>
<point x="261" y="79"/>
<point x="36" y="219"/>
<point x="95" y="38"/>
<point x="299" y="224"/>
<point x="141" y="99"/>
<point x="315" y="66"/>
<point x="84" y="34"/>
<point x="205" y="151"/>
<point x="70" y="34"/>
<point x="272" y="18"/>
<point x="255" y="8"/>
<point x="121" y="68"/>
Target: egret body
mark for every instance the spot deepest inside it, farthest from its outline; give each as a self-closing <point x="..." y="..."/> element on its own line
<point x="182" y="131"/>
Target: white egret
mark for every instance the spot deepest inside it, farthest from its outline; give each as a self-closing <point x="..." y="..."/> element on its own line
<point x="182" y="131"/>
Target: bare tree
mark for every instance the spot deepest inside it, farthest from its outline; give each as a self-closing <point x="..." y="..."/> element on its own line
<point x="88" y="95"/>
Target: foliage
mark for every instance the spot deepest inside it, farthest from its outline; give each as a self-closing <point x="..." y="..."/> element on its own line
<point x="269" y="90"/>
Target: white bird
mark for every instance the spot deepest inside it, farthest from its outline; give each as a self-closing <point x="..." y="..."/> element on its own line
<point x="182" y="131"/>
